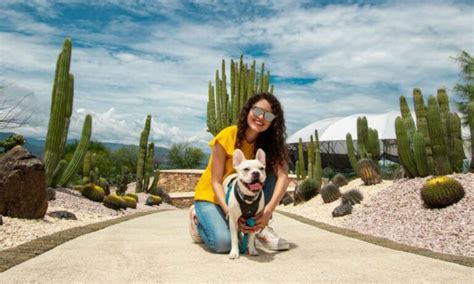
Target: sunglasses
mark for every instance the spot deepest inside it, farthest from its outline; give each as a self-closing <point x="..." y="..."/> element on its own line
<point x="268" y="116"/>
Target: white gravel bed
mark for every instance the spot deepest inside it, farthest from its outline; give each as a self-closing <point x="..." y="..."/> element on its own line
<point x="395" y="211"/>
<point x="15" y="231"/>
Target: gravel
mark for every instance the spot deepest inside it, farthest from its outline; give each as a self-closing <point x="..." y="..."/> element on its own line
<point x="395" y="211"/>
<point x="16" y="231"/>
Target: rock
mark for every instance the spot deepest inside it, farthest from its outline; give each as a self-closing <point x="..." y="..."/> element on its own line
<point x="287" y="199"/>
<point x="50" y="193"/>
<point x="343" y="209"/>
<point x="22" y="185"/>
<point x="63" y="215"/>
<point x="1" y="220"/>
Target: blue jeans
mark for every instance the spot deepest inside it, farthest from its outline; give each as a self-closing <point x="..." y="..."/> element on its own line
<point x="214" y="228"/>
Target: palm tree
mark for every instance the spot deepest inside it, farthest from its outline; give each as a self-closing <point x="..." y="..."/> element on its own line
<point x="465" y="91"/>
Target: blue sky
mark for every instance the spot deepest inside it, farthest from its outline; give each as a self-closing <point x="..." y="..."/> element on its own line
<point x="132" y="58"/>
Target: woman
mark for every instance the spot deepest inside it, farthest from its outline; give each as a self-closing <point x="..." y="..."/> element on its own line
<point x="261" y="125"/>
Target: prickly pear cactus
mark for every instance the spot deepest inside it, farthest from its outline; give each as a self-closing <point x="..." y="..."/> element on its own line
<point x="439" y="192"/>
<point x="93" y="192"/>
<point x="330" y="192"/>
<point x="368" y="172"/>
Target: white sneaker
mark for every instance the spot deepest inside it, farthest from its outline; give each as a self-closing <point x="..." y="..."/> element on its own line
<point x="193" y="221"/>
<point x="269" y="239"/>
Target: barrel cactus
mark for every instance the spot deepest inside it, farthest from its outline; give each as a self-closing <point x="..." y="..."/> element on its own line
<point x="130" y="201"/>
<point x="353" y="196"/>
<point x="153" y="200"/>
<point x="307" y="190"/>
<point x="330" y="192"/>
<point x="115" y="202"/>
<point x="93" y="192"/>
<point x="368" y="172"/>
<point x="339" y="180"/>
<point x="132" y="195"/>
<point x="439" y="192"/>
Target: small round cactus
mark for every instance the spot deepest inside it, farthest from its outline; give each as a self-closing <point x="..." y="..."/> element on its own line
<point x="353" y="196"/>
<point x="153" y="200"/>
<point x="339" y="180"/>
<point x="93" y="192"/>
<point x="132" y="195"/>
<point x="130" y="201"/>
<point x="330" y="192"/>
<point x="368" y="172"/>
<point x="115" y="202"/>
<point x="307" y="189"/>
<point x="441" y="191"/>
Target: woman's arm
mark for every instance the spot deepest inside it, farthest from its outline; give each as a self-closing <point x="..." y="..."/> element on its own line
<point x="217" y="175"/>
<point x="278" y="193"/>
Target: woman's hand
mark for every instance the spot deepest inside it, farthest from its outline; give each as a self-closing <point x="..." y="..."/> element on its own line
<point x="242" y="223"/>
<point x="263" y="218"/>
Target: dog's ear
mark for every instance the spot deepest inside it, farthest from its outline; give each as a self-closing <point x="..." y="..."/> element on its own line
<point x="238" y="157"/>
<point x="260" y="156"/>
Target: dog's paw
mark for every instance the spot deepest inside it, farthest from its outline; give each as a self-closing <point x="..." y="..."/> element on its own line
<point x="234" y="254"/>
<point x="253" y="252"/>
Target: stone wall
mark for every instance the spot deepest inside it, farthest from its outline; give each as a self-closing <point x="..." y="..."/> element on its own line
<point x="186" y="180"/>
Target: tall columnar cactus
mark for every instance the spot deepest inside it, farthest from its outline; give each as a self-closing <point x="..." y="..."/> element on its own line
<point x="149" y="166"/>
<point x="317" y="168"/>
<point x="301" y="163"/>
<point x="437" y="131"/>
<point x="61" y="109"/>
<point x="142" y="154"/>
<point x="367" y="143"/>
<point x="223" y="108"/>
<point x="470" y="114"/>
<point x="86" y="168"/>
<point x="80" y="152"/>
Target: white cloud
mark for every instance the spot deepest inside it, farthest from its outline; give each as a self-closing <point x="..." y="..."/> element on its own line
<point x="363" y="56"/>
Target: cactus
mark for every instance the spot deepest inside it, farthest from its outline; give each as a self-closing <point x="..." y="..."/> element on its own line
<point x="86" y="168"/>
<point x="455" y="146"/>
<point x="405" y="153"/>
<point x="123" y="181"/>
<point x="438" y="138"/>
<point x="307" y="189"/>
<point x="154" y="184"/>
<point x="368" y="147"/>
<point x="93" y="192"/>
<point x="368" y="172"/>
<point x="132" y="195"/>
<point x="60" y="168"/>
<point x="470" y="118"/>
<point x="422" y="126"/>
<point x="301" y="159"/>
<point x="441" y="191"/>
<point x="149" y="166"/>
<point x="105" y="185"/>
<point x="61" y="109"/>
<point x="80" y="152"/>
<point x="153" y="200"/>
<point x="330" y="192"/>
<point x="224" y="109"/>
<point x="353" y="196"/>
<point x="130" y="201"/>
<point x="142" y="155"/>
<point x="339" y="180"/>
<point x="420" y="156"/>
<point x="317" y="168"/>
<point x="115" y="202"/>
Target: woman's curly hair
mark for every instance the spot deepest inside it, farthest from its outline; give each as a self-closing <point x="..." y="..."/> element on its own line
<point x="272" y="140"/>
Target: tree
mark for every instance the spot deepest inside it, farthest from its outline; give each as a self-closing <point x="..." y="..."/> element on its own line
<point x="125" y="156"/>
<point x="12" y="141"/>
<point x="185" y="156"/>
<point x="10" y="114"/>
<point x="465" y="91"/>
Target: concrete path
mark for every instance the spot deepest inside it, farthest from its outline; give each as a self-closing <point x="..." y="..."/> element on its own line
<point x="157" y="248"/>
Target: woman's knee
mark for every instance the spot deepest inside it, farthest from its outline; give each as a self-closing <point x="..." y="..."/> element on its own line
<point x="221" y="243"/>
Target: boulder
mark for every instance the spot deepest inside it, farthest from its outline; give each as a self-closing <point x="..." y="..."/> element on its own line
<point x="1" y="220"/>
<point x="22" y="185"/>
<point x="62" y="214"/>
<point x="344" y="209"/>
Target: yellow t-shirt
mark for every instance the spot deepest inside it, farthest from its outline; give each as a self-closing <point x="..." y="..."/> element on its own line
<point x="226" y="139"/>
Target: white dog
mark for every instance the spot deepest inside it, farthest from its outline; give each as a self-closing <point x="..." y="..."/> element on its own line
<point x="245" y="197"/>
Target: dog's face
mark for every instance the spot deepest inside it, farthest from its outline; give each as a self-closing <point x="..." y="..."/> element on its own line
<point x="250" y="172"/>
